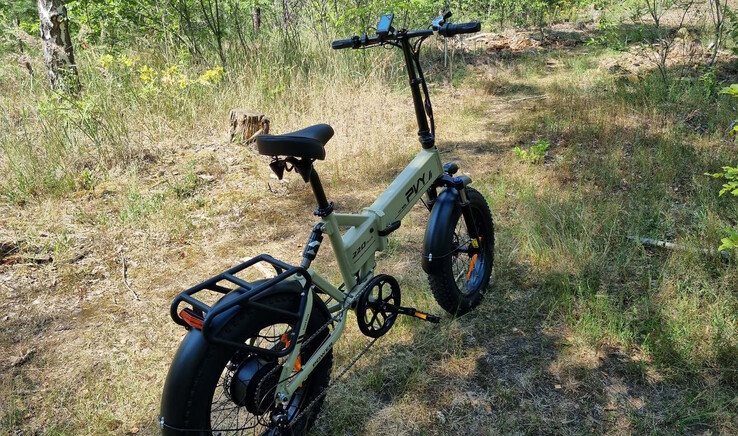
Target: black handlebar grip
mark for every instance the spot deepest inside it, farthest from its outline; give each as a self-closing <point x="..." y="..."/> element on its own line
<point x="456" y="29"/>
<point x="344" y="43"/>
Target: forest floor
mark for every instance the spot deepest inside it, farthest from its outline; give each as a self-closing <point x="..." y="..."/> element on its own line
<point x="581" y="331"/>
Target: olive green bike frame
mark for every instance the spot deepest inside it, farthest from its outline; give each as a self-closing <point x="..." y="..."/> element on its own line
<point x="354" y="251"/>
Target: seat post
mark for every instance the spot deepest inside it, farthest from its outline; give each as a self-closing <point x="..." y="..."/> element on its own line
<point x="324" y="207"/>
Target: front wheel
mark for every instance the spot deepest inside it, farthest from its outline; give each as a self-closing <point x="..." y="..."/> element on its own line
<point x="459" y="280"/>
<point x="216" y="389"/>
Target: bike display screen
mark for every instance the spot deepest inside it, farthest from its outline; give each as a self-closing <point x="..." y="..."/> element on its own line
<point x="385" y="23"/>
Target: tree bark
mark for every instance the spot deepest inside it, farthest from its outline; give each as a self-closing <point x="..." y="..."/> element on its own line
<point x="57" y="45"/>
<point x="247" y="124"/>
<point x="256" y="18"/>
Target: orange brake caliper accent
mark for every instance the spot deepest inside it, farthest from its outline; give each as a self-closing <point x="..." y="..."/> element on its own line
<point x="471" y="267"/>
<point x="286" y="341"/>
<point x="473" y="263"/>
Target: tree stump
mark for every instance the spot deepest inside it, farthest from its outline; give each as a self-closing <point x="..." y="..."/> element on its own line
<point x="247" y="125"/>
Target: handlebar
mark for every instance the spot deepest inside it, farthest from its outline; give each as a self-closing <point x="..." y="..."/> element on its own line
<point x="457" y="29"/>
<point x="446" y="30"/>
<point x="387" y="35"/>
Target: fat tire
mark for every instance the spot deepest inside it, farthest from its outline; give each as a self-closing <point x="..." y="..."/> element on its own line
<point x="442" y="281"/>
<point x="196" y="407"/>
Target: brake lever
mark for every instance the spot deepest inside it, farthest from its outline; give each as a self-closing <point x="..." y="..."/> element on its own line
<point x="440" y="21"/>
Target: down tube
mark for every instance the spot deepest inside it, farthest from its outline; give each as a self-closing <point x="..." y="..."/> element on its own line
<point x="408" y="187"/>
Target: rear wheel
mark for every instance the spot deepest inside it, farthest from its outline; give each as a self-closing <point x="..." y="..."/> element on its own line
<point x="233" y="390"/>
<point x="461" y="277"/>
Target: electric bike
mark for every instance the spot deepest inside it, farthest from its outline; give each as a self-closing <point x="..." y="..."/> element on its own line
<point x="259" y="360"/>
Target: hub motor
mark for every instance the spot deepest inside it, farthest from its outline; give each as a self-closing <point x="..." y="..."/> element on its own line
<point x="252" y="384"/>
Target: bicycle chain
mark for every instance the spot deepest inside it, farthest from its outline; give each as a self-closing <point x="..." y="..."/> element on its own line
<point x="324" y="392"/>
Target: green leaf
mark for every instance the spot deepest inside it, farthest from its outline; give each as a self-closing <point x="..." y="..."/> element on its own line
<point x="730" y="90"/>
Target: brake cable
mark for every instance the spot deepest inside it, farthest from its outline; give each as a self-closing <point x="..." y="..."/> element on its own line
<point x="427" y="103"/>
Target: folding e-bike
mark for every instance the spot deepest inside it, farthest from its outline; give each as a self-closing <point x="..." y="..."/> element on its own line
<point x="259" y="359"/>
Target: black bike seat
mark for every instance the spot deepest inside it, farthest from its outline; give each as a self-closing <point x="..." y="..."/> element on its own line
<point x="308" y="142"/>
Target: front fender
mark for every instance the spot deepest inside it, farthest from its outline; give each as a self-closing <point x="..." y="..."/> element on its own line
<point x="436" y="234"/>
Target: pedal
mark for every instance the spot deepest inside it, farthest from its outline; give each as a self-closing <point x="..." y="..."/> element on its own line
<point x="411" y="311"/>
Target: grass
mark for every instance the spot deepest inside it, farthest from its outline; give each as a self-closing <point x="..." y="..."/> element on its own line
<point x="583" y="331"/>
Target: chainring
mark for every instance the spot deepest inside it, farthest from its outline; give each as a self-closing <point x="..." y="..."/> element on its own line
<point x="376" y="310"/>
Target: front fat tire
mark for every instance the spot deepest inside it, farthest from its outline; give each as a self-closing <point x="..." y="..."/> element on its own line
<point x="194" y="412"/>
<point x="443" y="281"/>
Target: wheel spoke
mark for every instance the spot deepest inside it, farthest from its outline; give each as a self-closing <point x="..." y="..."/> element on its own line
<point x="374" y="318"/>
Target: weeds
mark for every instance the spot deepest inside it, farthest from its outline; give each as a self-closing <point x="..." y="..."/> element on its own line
<point x="535" y="154"/>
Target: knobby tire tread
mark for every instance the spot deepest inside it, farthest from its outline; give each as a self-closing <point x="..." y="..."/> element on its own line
<point x="442" y="283"/>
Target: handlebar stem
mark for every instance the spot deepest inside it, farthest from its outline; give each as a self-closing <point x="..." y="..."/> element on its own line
<point x="425" y="136"/>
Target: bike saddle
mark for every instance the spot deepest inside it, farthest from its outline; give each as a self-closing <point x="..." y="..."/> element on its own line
<point x="308" y="142"/>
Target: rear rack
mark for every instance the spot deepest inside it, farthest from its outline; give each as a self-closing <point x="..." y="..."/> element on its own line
<point x="250" y="294"/>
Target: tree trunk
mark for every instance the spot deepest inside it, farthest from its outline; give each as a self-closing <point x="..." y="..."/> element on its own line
<point x="57" y="44"/>
<point x="256" y="18"/>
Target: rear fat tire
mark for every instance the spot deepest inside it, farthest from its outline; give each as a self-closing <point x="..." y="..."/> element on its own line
<point x="196" y="406"/>
<point x="443" y="280"/>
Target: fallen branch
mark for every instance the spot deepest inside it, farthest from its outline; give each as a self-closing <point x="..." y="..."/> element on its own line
<point x="20" y="360"/>
<point x="672" y="246"/>
<point x="253" y="137"/>
<point x="531" y="97"/>
<point x="125" y="277"/>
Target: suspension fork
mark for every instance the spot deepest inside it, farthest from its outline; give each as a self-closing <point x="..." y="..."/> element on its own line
<point x="471" y="226"/>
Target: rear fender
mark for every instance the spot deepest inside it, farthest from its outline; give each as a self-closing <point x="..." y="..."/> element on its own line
<point x="194" y="348"/>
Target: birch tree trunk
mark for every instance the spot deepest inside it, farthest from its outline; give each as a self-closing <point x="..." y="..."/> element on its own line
<point x="57" y="44"/>
<point x="256" y="18"/>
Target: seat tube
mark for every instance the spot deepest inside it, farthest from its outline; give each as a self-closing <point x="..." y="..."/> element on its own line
<point x="325" y="211"/>
<point x="344" y="265"/>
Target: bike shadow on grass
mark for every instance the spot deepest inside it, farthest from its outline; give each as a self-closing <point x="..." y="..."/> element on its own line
<point x="526" y="360"/>
<point x="503" y="368"/>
